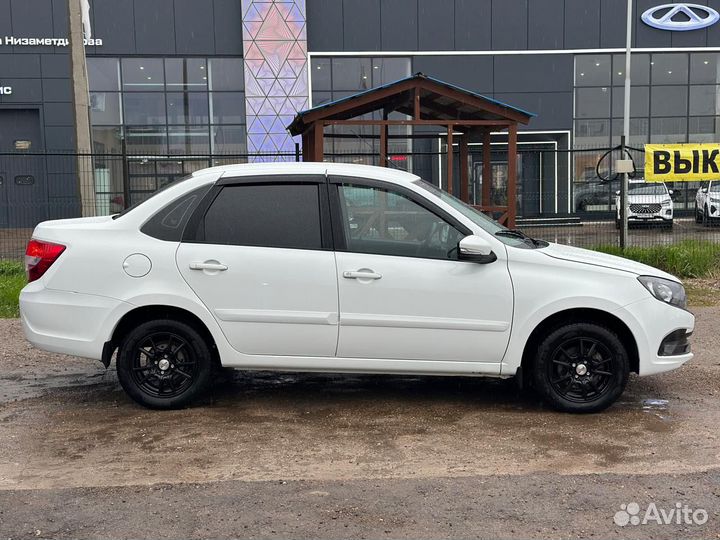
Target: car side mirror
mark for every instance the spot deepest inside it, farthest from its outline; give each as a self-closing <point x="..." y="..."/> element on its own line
<point x="617" y="192"/>
<point x="475" y="249"/>
<point x="704" y="190"/>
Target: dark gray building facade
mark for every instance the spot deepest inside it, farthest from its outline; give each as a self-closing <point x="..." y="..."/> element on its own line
<point x="196" y="80"/>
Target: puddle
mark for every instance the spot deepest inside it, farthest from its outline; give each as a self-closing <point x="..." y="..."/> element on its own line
<point x="654" y="404"/>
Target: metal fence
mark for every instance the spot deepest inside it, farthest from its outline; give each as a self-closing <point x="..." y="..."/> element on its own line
<point x="563" y="195"/>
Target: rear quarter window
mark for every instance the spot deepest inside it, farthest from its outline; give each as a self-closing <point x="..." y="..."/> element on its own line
<point x="169" y="222"/>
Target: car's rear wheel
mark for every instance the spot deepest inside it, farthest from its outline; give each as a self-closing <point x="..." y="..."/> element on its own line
<point x="164" y="364"/>
<point x="581" y="368"/>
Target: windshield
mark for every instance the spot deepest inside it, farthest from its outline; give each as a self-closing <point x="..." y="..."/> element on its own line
<point x="505" y="235"/>
<point x="163" y="188"/>
<point x="647" y="189"/>
<point x="714" y="187"/>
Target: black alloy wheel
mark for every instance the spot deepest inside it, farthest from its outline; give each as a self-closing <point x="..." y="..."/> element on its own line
<point x="164" y="364"/>
<point x="581" y="367"/>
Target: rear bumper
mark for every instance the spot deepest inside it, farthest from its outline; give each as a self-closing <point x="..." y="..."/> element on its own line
<point x="67" y="322"/>
<point x="651" y="322"/>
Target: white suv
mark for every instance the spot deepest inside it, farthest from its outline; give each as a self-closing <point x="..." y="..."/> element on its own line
<point x="648" y="202"/>
<point x="707" y="203"/>
<point x="341" y="268"/>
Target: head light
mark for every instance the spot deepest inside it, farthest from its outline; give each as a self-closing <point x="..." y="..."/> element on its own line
<point x="667" y="202"/>
<point x="665" y="290"/>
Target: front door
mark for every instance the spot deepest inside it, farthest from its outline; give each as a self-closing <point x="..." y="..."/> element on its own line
<point x="262" y="263"/>
<point x="404" y="295"/>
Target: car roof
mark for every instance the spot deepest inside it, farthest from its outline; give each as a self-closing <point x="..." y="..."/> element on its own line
<point x="337" y="169"/>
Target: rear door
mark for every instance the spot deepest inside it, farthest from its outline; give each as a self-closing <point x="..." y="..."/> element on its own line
<point x="258" y="254"/>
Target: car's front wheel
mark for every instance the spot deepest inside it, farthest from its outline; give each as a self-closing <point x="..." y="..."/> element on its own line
<point x="164" y="364"/>
<point x="581" y="368"/>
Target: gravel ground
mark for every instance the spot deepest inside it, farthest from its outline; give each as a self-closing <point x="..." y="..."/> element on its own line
<point x="307" y="455"/>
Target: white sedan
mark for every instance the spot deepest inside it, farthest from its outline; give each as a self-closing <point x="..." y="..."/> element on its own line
<point x="342" y="268"/>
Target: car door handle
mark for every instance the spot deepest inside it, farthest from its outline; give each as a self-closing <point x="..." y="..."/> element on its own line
<point x="208" y="266"/>
<point x="361" y="274"/>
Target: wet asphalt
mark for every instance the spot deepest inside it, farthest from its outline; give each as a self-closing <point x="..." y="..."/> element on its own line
<point x="310" y="455"/>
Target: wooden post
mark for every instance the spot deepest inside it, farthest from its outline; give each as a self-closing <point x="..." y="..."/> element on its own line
<point x="416" y="104"/>
<point x="307" y="140"/>
<point x="512" y="175"/>
<point x="318" y="142"/>
<point x="464" y="169"/>
<point x="486" y="169"/>
<point x="450" y="159"/>
<point x="383" y="146"/>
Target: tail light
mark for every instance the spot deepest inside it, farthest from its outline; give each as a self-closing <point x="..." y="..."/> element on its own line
<point x="39" y="256"/>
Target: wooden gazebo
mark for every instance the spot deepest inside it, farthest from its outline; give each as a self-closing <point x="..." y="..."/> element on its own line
<point x="426" y="101"/>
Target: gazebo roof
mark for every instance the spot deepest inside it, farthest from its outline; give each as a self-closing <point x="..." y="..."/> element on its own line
<point x="438" y="100"/>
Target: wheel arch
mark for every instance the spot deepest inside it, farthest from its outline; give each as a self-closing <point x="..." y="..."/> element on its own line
<point x="146" y="313"/>
<point x="575" y="315"/>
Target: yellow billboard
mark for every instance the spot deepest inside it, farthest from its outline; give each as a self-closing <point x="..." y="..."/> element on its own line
<point x="682" y="162"/>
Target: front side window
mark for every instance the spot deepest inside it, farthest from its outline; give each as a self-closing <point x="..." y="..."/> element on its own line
<point x="383" y="222"/>
<point x="268" y="215"/>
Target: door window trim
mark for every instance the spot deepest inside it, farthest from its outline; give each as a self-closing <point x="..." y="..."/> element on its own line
<point x="336" y="213"/>
<point x="194" y="230"/>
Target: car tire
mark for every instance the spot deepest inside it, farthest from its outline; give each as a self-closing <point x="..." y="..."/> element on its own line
<point x="164" y="364"/>
<point x="698" y="216"/>
<point x="668" y="224"/>
<point x="567" y="387"/>
<point x="705" y="218"/>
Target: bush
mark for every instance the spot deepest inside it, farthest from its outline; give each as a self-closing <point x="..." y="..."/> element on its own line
<point x="686" y="259"/>
<point x="12" y="279"/>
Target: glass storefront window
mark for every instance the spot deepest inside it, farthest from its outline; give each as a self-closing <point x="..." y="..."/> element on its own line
<point x="592" y="102"/>
<point x="704" y="100"/>
<point x="387" y="70"/>
<point x="703" y="129"/>
<point x="187" y="108"/>
<point x="351" y="74"/>
<point x="669" y="101"/>
<point x="318" y="98"/>
<point x="592" y="132"/>
<point x="189" y="74"/>
<point x="103" y="74"/>
<point x="146" y="139"/>
<point x="105" y="108"/>
<point x="320" y="71"/>
<point x="226" y="74"/>
<point x="592" y="70"/>
<point x="639" y="101"/>
<point x="188" y="140"/>
<point x="639" y="71"/>
<point x="143" y="74"/>
<point x="705" y="68"/>
<point x="670" y="68"/>
<point x="144" y="108"/>
<point x="107" y="139"/>
<point x="668" y="130"/>
<point x="227" y="107"/>
<point x="639" y="131"/>
<point x="228" y="139"/>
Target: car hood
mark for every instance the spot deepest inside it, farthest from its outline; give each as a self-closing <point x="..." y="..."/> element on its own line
<point x="647" y="199"/>
<point x="595" y="258"/>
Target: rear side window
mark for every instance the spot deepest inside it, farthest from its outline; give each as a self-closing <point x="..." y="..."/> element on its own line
<point x="270" y="215"/>
<point x="169" y="222"/>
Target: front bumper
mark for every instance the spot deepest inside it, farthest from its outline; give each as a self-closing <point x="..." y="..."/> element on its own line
<point x="652" y="322"/>
<point x="67" y="322"/>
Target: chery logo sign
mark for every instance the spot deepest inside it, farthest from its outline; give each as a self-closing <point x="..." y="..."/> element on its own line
<point x="680" y="17"/>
